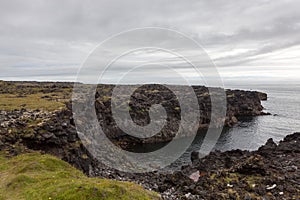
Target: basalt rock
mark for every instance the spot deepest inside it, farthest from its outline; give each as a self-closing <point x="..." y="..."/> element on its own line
<point x="271" y="172"/>
<point x="55" y="133"/>
<point x="262" y="96"/>
<point x="238" y="103"/>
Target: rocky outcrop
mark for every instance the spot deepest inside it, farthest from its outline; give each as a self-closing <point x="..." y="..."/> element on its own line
<point x="262" y="96"/>
<point x="49" y="132"/>
<point x="239" y="103"/>
<point x="58" y="127"/>
<point x="55" y="132"/>
<point x="271" y="172"/>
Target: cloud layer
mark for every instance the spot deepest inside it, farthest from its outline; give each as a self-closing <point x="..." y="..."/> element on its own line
<point x="49" y="40"/>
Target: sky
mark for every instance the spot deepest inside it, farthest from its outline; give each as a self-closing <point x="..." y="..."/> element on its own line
<point x="254" y="41"/>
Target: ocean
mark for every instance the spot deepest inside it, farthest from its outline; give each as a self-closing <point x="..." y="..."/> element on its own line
<point x="284" y="105"/>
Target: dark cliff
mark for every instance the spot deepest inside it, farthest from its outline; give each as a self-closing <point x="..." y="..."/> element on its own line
<point x="238" y="103"/>
<point x="54" y="131"/>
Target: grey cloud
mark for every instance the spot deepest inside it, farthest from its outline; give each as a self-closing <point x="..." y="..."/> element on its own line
<point x="54" y="37"/>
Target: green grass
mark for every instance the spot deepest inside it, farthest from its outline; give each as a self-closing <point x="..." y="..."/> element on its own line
<point x="35" y="176"/>
<point x="34" y="95"/>
<point x="31" y="101"/>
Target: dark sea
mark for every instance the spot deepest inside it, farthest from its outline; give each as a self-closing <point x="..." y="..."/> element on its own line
<point x="250" y="133"/>
<point x="284" y="105"/>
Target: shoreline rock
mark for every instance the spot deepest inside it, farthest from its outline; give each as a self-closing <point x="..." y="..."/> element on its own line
<point x="231" y="174"/>
<point x="220" y="175"/>
<point x="55" y="132"/>
<point x="239" y="104"/>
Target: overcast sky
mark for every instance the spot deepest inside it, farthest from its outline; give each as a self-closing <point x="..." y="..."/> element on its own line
<point x="249" y="41"/>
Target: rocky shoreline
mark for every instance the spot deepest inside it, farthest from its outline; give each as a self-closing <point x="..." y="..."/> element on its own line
<point x="272" y="172"/>
<point x="238" y="103"/>
<point x="42" y="129"/>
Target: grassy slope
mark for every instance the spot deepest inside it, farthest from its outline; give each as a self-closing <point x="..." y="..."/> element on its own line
<point x="35" y="176"/>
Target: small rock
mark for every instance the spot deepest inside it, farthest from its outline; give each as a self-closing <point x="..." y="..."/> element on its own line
<point x="234" y="119"/>
<point x="247" y="197"/>
<point x="195" y="176"/>
<point x="271" y="187"/>
<point x="194" y="156"/>
<point x="187" y="195"/>
<point x="47" y="135"/>
<point x="64" y="125"/>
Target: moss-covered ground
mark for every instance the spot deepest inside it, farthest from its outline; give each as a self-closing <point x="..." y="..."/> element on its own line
<point x="34" y="176"/>
<point x="32" y="96"/>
